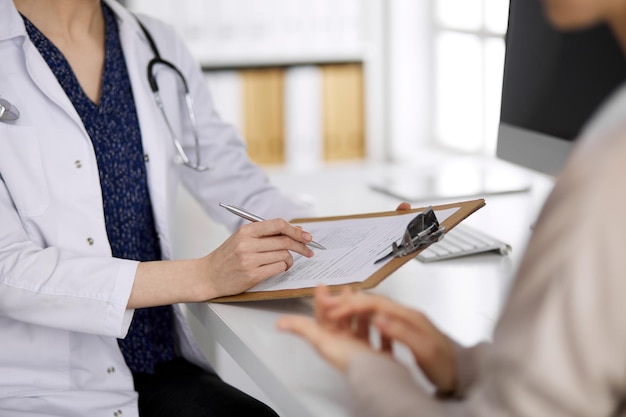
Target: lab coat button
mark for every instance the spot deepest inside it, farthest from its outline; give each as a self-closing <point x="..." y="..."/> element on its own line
<point x="146" y="158"/>
<point x="78" y="164"/>
<point x="117" y="413"/>
<point x="90" y="241"/>
<point x="111" y="370"/>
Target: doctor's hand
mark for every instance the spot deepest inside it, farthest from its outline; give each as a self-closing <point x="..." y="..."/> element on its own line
<point x="403" y="206"/>
<point x="252" y="254"/>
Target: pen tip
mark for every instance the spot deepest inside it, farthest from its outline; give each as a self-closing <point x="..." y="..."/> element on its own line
<point x="317" y="245"/>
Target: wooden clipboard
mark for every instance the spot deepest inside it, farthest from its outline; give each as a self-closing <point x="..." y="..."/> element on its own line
<point x="464" y="209"/>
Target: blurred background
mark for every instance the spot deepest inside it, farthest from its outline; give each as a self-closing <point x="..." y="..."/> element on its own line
<point x="309" y="83"/>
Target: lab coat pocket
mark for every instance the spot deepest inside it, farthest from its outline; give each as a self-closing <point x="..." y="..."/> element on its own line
<point x="22" y="170"/>
<point x="33" y="359"/>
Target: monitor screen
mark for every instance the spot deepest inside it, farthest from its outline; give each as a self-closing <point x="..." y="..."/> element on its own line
<point x="553" y="83"/>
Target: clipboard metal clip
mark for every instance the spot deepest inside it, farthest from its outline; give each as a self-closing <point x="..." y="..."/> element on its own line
<point x="423" y="230"/>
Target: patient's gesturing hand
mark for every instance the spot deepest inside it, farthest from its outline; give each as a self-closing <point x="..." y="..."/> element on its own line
<point x="341" y="330"/>
<point x="338" y="341"/>
<point x="433" y="350"/>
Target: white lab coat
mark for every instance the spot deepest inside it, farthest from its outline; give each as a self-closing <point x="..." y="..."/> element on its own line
<point x="62" y="295"/>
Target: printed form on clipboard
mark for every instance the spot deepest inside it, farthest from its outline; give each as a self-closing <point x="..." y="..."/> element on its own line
<point x="353" y="245"/>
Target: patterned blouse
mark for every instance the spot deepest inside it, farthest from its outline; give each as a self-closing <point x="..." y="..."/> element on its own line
<point x="115" y="133"/>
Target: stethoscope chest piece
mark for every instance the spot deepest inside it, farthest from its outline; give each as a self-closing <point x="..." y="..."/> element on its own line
<point x="8" y="112"/>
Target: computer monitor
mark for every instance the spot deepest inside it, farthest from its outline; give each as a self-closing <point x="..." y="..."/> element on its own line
<point x="553" y="83"/>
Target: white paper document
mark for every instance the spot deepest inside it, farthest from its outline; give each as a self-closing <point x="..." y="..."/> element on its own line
<point x="352" y="246"/>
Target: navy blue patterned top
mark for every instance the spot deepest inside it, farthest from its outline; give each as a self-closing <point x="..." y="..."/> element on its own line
<point x="114" y="130"/>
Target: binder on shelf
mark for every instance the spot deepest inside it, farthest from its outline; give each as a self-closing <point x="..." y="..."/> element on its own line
<point x="344" y="124"/>
<point x="263" y="114"/>
<point x="354" y="243"/>
<point x="299" y="116"/>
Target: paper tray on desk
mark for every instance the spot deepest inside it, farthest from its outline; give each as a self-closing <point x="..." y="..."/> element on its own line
<point x="464" y="209"/>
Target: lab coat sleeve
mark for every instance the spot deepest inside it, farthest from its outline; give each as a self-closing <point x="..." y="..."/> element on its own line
<point x="55" y="288"/>
<point x="233" y="178"/>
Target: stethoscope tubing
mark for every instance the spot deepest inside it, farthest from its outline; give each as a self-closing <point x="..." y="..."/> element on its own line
<point x="191" y="115"/>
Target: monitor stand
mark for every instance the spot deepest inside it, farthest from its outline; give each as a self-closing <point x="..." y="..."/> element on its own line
<point x="454" y="178"/>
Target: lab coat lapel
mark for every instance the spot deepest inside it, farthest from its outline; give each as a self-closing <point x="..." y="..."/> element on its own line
<point x="45" y="80"/>
<point x="154" y="140"/>
<point x="12" y="29"/>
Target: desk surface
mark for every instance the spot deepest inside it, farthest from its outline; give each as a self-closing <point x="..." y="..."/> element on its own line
<point x="462" y="296"/>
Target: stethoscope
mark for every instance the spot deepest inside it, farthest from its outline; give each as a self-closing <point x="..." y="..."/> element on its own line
<point x="9" y="112"/>
<point x="191" y="115"/>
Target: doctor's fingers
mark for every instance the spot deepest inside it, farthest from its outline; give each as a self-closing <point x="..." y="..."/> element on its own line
<point x="274" y="257"/>
<point x="278" y="227"/>
<point x="243" y="272"/>
<point x="238" y="280"/>
<point x="248" y="261"/>
<point x="403" y="206"/>
<point x="245" y="241"/>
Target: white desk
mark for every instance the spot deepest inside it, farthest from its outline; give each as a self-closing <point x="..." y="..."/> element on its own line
<point x="462" y="296"/>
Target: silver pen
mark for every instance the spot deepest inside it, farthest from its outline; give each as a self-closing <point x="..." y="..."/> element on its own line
<point x="243" y="213"/>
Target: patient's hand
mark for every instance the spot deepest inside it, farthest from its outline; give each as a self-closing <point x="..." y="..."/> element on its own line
<point x="433" y="351"/>
<point x="336" y="347"/>
<point x="340" y="331"/>
<point x="338" y="341"/>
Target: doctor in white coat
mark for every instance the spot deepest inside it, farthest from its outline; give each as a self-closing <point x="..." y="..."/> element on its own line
<point x="64" y="299"/>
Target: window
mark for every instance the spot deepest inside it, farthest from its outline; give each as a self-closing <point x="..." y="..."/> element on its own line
<point x="468" y="63"/>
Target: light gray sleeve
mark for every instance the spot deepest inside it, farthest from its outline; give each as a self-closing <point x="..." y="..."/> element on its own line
<point x="469" y="362"/>
<point x="559" y="347"/>
<point x="385" y="388"/>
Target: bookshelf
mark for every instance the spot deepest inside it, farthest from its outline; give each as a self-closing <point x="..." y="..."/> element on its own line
<point x="289" y="74"/>
<point x="241" y="33"/>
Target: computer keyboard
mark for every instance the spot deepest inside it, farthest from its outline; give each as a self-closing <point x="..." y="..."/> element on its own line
<point x="463" y="240"/>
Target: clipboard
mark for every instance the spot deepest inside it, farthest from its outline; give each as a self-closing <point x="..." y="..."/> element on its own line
<point x="463" y="210"/>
